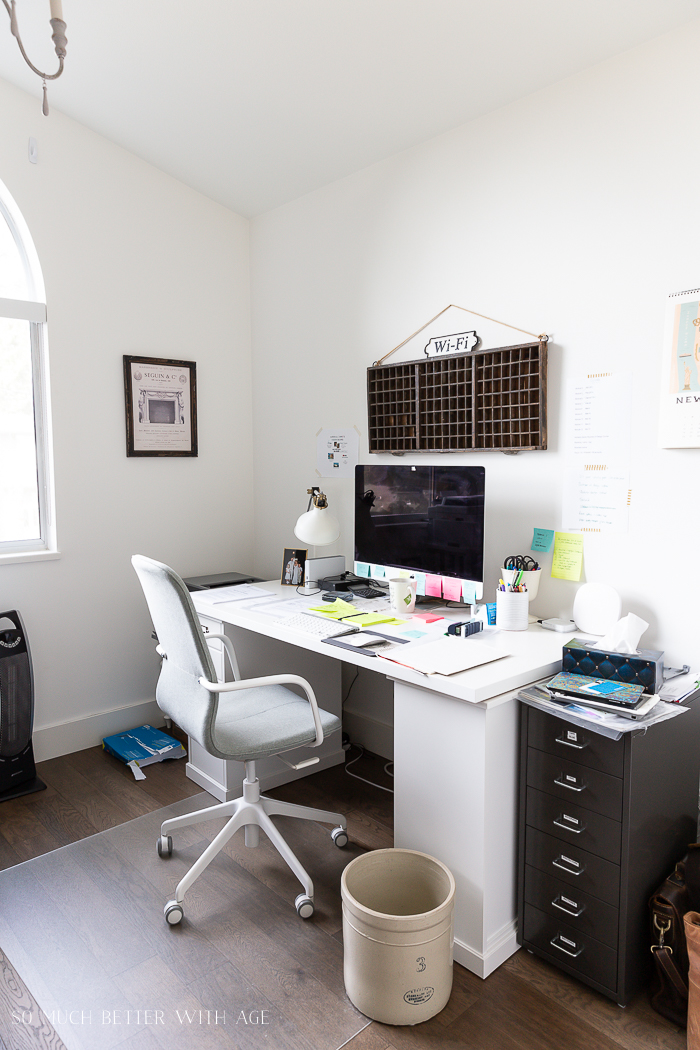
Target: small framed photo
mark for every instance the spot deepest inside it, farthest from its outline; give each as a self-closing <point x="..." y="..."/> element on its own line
<point x="293" y="567"/>
<point x="161" y="406"/>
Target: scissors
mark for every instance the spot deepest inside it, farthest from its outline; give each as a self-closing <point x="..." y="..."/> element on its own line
<point x="521" y="561"/>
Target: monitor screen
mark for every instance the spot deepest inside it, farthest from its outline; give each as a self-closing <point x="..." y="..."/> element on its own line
<point x="429" y="519"/>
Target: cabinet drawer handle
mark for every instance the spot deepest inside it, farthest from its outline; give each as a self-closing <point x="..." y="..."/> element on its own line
<point x="564" y="867"/>
<point x="567" y="827"/>
<point x="567" y="743"/>
<point x="568" y="911"/>
<point x="571" y="787"/>
<point x="555" y="944"/>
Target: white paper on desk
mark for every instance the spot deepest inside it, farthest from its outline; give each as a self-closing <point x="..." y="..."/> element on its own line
<point x="446" y="655"/>
<point x="277" y="608"/>
<point x="236" y="592"/>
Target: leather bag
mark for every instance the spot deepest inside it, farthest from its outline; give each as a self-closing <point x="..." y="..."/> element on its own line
<point x="678" y="894"/>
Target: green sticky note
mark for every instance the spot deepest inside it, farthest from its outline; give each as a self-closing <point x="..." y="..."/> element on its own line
<point x="469" y="592"/>
<point x="334" y="610"/>
<point x="542" y="540"/>
<point x="567" y="562"/>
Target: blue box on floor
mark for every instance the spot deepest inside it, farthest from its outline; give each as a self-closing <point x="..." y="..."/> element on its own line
<point x="142" y="747"/>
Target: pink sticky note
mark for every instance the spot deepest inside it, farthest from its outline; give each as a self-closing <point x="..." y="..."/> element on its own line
<point x="451" y="589"/>
<point x="433" y="586"/>
<point x="427" y="617"/>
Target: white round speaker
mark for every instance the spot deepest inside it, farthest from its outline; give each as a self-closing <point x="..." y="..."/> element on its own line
<point x="597" y="607"/>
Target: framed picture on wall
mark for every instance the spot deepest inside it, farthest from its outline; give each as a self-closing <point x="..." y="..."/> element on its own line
<point x="161" y="406"/>
<point x="293" y="567"/>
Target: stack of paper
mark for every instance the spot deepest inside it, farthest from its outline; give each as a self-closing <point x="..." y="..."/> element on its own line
<point x="606" y="723"/>
<point x="676" y="689"/>
<point x="236" y="592"/>
<point x="446" y="655"/>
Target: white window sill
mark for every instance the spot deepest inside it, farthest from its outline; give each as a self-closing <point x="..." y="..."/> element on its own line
<point x="16" y="557"/>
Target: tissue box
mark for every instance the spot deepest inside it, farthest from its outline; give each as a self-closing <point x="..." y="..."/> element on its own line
<point x="645" y="667"/>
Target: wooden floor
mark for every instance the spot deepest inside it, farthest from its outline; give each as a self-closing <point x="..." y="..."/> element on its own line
<point x="83" y="928"/>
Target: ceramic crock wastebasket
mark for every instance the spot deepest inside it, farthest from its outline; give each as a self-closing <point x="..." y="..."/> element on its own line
<point x="398" y="930"/>
<point x="692" y="936"/>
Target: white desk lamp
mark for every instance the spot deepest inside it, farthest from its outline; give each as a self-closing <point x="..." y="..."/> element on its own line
<point x="317" y="527"/>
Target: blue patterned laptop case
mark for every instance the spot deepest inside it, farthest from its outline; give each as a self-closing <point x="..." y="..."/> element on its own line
<point x="583" y="687"/>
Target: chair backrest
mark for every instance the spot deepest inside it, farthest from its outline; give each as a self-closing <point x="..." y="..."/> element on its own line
<point x="186" y="656"/>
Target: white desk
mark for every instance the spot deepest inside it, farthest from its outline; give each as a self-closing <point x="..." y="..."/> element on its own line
<point x="455" y="756"/>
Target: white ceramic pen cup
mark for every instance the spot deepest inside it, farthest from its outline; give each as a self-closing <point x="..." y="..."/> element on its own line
<point x="511" y="610"/>
<point x="402" y="595"/>
<point x="531" y="579"/>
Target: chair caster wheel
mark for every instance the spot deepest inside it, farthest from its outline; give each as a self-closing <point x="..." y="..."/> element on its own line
<point x="164" y="845"/>
<point x="173" y="913"/>
<point x="304" y="906"/>
<point x="340" y="837"/>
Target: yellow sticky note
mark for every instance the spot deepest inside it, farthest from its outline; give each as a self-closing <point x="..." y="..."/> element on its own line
<point x="334" y="610"/>
<point x="567" y="561"/>
<point x="367" y="619"/>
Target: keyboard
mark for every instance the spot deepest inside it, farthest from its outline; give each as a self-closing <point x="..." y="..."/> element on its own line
<point x="315" y="625"/>
<point x="369" y="592"/>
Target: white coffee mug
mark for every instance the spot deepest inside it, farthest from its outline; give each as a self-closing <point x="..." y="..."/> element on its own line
<point x="402" y="595"/>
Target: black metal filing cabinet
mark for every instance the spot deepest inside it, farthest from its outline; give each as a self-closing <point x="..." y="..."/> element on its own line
<point x="602" y="823"/>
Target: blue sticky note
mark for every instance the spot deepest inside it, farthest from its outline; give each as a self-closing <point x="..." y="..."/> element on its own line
<point x="377" y="571"/>
<point x="420" y="582"/>
<point x="361" y="568"/>
<point x="469" y="592"/>
<point x="542" y="540"/>
<point x="413" y="634"/>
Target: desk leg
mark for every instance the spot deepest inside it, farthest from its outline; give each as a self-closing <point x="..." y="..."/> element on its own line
<point x="455" y="782"/>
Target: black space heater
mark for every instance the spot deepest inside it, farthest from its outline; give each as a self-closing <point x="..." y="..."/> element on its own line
<point x="17" y="769"/>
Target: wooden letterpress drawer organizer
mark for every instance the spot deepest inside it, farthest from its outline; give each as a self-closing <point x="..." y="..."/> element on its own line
<point x="602" y="822"/>
<point x="486" y="399"/>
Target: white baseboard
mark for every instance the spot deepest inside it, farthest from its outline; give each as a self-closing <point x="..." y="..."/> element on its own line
<point x="500" y="947"/>
<point x="374" y="736"/>
<point x="64" y="738"/>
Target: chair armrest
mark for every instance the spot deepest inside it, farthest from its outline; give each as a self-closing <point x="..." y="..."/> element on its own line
<point x="272" y="679"/>
<point x="230" y="652"/>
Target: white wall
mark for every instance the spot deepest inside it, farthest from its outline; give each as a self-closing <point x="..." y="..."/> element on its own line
<point x="134" y="263"/>
<point x="574" y="211"/>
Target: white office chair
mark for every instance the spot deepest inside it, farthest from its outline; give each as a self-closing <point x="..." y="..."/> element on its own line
<point x="241" y="720"/>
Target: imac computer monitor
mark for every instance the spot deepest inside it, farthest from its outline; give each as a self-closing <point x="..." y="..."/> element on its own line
<point x="427" y="519"/>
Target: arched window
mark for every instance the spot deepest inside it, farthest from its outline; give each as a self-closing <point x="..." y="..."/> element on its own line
<point x="25" y="455"/>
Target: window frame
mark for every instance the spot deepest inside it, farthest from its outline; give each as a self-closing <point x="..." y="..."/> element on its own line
<point x="34" y="312"/>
